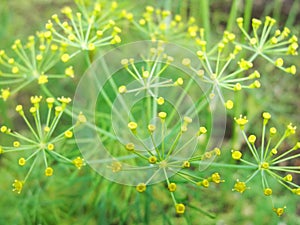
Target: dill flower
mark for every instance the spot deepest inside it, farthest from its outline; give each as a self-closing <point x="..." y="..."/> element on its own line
<point x="165" y="159"/>
<point x="155" y="130"/>
<point x="43" y="143"/>
<point x="221" y="65"/>
<point x="87" y="29"/>
<point x="269" y="160"/>
<point x="30" y="62"/>
<point x="156" y="64"/>
<point x="157" y="24"/>
<point x="266" y="42"/>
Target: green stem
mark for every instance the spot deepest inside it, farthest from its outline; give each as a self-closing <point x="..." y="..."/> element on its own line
<point x="205" y="17"/>
<point x="226" y="165"/>
<point x="247" y="14"/>
<point x="232" y="15"/>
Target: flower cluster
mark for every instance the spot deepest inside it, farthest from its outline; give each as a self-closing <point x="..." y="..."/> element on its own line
<point x="269" y="160"/>
<point x="44" y="142"/>
<point x="170" y="160"/>
<point x="87" y="29"/>
<point x="157" y="24"/>
<point x="265" y="43"/>
<point x="223" y="64"/>
<point x="32" y="61"/>
<point x="148" y="78"/>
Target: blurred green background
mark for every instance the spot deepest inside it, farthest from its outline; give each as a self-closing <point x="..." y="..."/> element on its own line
<point x="85" y="198"/>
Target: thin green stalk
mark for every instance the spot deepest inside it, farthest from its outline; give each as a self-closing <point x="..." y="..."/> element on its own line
<point x="232" y="15"/>
<point x="247" y="14"/>
<point x="212" y="216"/>
<point x="205" y="17"/>
<point x="277" y="9"/>
<point x="263" y="142"/>
<point x="225" y="165"/>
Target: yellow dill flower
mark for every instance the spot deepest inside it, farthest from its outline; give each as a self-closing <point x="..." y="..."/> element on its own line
<point x="241" y="121"/>
<point x="268" y="191"/>
<point x="205" y="183"/>
<point x="17" y="186"/>
<point x="151" y="128"/>
<point x="37" y="58"/>
<point x="267" y="161"/>
<point x="216" y="178"/>
<point x="172" y="187"/>
<point x="245" y="65"/>
<point x="265" y="165"/>
<point x="78" y="162"/>
<point x="150" y="79"/>
<point x="43" y="79"/>
<point x="141" y="187"/>
<point x="186" y="164"/>
<point x="39" y="143"/>
<point x="50" y="147"/>
<point x="252" y="139"/>
<point x="22" y="161"/>
<point x="236" y="155"/>
<point x="68" y="134"/>
<point x="5" y="93"/>
<point x="70" y="72"/>
<point x="152" y="159"/>
<point x="16" y="144"/>
<point x="180" y="208"/>
<point x="268" y="43"/>
<point x="229" y="104"/>
<point x="202" y="130"/>
<point x="122" y="89"/>
<point x="132" y="126"/>
<point x="95" y="29"/>
<point x="159" y="24"/>
<point x="129" y="146"/>
<point x="49" y="171"/>
<point x="162" y="115"/>
<point x="160" y="101"/>
<point x="279" y="211"/>
<point x="240" y="186"/>
<point x="64" y="100"/>
<point x="273" y="131"/>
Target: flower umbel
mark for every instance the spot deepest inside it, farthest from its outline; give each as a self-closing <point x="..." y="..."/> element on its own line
<point x="158" y="24"/>
<point x="148" y="77"/>
<point x="44" y="143"/>
<point x="222" y="65"/>
<point x="265" y="43"/>
<point x="87" y="29"/>
<point x="269" y="160"/>
<point x="32" y="61"/>
<point x="163" y="160"/>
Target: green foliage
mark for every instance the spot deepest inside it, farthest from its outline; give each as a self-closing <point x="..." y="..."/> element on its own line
<point x="172" y="105"/>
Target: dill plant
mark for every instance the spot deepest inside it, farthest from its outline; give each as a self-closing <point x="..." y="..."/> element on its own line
<point x="150" y="114"/>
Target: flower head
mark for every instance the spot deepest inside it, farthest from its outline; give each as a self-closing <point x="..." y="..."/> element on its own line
<point x="159" y="24"/>
<point x="18" y="186"/>
<point x="269" y="160"/>
<point x="40" y="146"/>
<point x="240" y="186"/>
<point x="280" y="42"/>
<point x="180" y="208"/>
<point x="30" y="62"/>
<point x="148" y="77"/>
<point x="86" y="29"/>
<point x="241" y="121"/>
